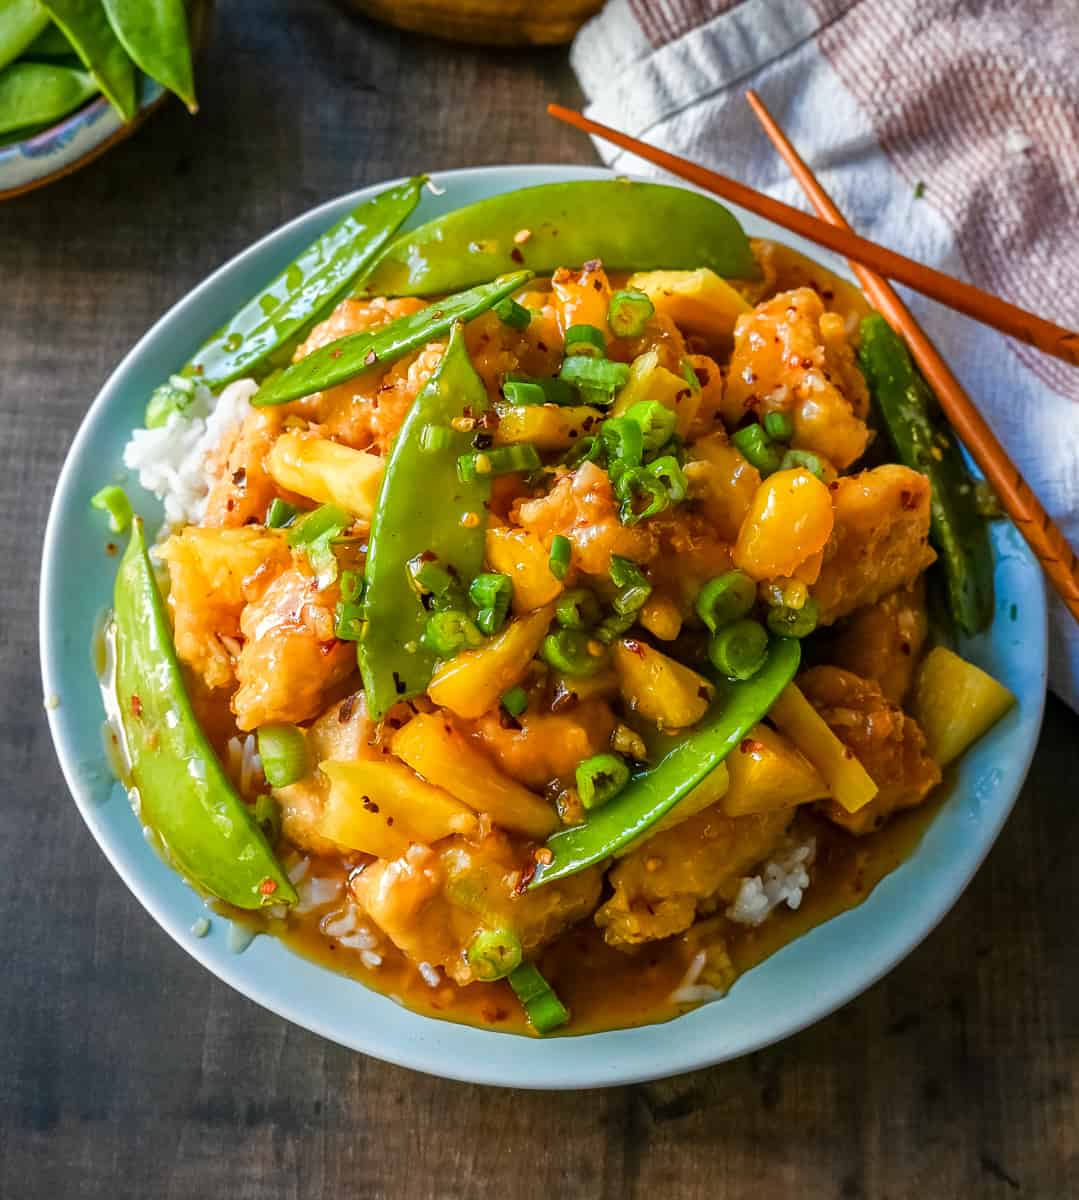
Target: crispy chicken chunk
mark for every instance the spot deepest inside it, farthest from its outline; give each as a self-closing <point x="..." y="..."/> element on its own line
<point x="888" y="743"/>
<point x="432" y="901"/>
<point x="792" y="356"/>
<point x="660" y="887"/>
<point x="291" y="656"/>
<point x="213" y="574"/>
<point x="880" y="539"/>
<point x="883" y="642"/>
<point x="242" y="488"/>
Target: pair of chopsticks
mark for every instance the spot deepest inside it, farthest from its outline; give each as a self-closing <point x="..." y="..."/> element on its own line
<point x="871" y="264"/>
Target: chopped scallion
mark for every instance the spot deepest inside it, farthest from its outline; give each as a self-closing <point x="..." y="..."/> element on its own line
<point x="561" y="554"/>
<point x="586" y="340"/>
<point x="515" y="701"/>
<point x="739" y="649"/>
<point x="628" y="313"/>
<point x="725" y="598"/>
<point x="656" y="420"/>
<point x="503" y="460"/>
<point x="756" y="447"/>
<point x="493" y="954"/>
<point x="434" y="438"/>
<point x="283" y="751"/>
<point x="600" y="375"/>
<point x="779" y="425"/>
<point x="543" y="1008"/>
<point x="600" y="779"/>
<point x="280" y="514"/>
<point x="113" y="500"/>
<point x="449" y="631"/>
<point x="509" y="312"/>
<point x="577" y="609"/>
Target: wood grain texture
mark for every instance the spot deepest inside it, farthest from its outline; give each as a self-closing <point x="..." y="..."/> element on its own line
<point x="127" y="1071"/>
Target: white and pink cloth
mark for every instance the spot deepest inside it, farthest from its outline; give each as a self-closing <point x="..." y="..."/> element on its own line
<point x="946" y="129"/>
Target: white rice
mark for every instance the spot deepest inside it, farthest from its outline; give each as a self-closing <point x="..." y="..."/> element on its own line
<point x="317" y="892"/>
<point x="429" y="974"/>
<point x="689" y="991"/>
<point x="782" y="881"/>
<point x="171" y="461"/>
<point x="244" y="763"/>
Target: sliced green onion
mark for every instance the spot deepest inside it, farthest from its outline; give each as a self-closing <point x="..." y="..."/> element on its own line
<point x="588" y="449"/>
<point x="349" y="620"/>
<point x="543" y="1008"/>
<point x="325" y="520"/>
<point x="509" y="312"/>
<point x="577" y="609"/>
<point x="656" y="420"/>
<point x="757" y="449"/>
<point x="623" y="441"/>
<point x="561" y="554"/>
<point x="600" y="374"/>
<point x="628" y="313"/>
<point x="739" y="649"/>
<point x="521" y="389"/>
<point x="785" y="621"/>
<point x="632" y="583"/>
<point x="668" y="471"/>
<point x="515" y="701"/>
<point x="569" y="651"/>
<point x="493" y="954"/>
<point x="175" y="396"/>
<point x="280" y="514"/>
<point x="283" y="751"/>
<point x="491" y="593"/>
<point x="351" y="585"/>
<point x="434" y="438"/>
<point x="450" y="631"/>
<point x="430" y="578"/>
<point x="113" y="500"/>
<point x="807" y="461"/>
<point x="779" y="425"/>
<point x="600" y="779"/>
<point x="725" y="599"/>
<point x="503" y="460"/>
<point x="267" y="816"/>
<point x="638" y="484"/>
<point x="314" y="532"/>
<point x="586" y="340"/>
<point x="689" y="375"/>
<point x="612" y="627"/>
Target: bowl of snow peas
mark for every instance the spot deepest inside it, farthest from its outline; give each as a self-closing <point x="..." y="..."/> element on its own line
<point x="78" y="76"/>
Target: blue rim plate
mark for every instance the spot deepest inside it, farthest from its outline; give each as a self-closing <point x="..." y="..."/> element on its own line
<point x="802" y="983"/>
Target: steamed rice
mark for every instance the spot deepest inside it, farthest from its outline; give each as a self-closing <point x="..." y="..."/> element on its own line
<point x="171" y="461"/>
<point x="782" y="880"/>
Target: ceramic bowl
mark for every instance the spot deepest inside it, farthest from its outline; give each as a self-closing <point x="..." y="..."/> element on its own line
<point x="800" y="984"/>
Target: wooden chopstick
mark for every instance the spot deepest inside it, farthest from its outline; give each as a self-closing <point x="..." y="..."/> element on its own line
<point x="1033" y="522"/>
<point x="964" y="297"/>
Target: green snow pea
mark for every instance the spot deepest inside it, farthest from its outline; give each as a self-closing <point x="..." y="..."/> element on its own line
<point x="40" y="93"/>
<point x="358" y="352"/>
<point x="925" y="442"/>
<point x="626" y="225"/>
<point x="87" y="28"/>
<point x="655" y="791"/>
<point x="154" y="34"/>
<point x="267" y="330"/>
<point x="184" y="794"/>
<point x="50" y="45"/>
<point x="422" y="512"/>
<point x="21" y="21"/>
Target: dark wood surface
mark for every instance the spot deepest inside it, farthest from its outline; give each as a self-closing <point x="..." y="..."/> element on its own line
<point x="127" y="1071"/>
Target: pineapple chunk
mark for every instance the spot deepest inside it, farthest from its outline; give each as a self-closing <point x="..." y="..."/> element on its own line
<point x="474" y="681"/>
<point x="849" y="783"/>
<point x="371" y="801"/>
<point x="659" y="688"/>
<point x="650" y="381"/>
<point x="522" y="556"/>
<point x="327" y="472"/>
<point x="955" y="702"/>
<point x="438" y="752"/>
<point x="697" y="301"/>
<point x="768" y="773"/>
<point x="545" y="426"/>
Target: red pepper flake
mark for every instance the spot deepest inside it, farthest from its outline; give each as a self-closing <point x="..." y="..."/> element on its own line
<point x="369" y="804"/>
<point x="634" y="647"/>
<point x="268" y="886"/>
<point x="136" y="705"/>
<point x="516" y="255"/>
<point x="750" y="746"/>
<point x="336" y="353"/>
<point x="344" y="713"/>
<point x="526" y="879"/>
<point x="239" y="476"/>
<point x="111" y="547"/>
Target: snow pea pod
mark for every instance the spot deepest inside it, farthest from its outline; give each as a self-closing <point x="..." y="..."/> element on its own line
<point x="154" y="34"/>
<point x="627" y="225"/>
<point x="88" y="30"/>
<point x="423" y="510"/>
<point x="184" y="794"/>
<point x="40" y="93"/>
<point x="924" y="441"/>
<point x="358" y="352"/>
<point x="21" y="21"/>
<point x="655" y="791"/>
<point x="272" y="324"/>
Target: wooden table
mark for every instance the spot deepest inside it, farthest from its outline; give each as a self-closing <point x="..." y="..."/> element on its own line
<point x="127" y="1071"/>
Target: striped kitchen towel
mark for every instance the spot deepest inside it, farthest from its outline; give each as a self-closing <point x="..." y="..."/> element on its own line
<point x="947" y="129"/>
